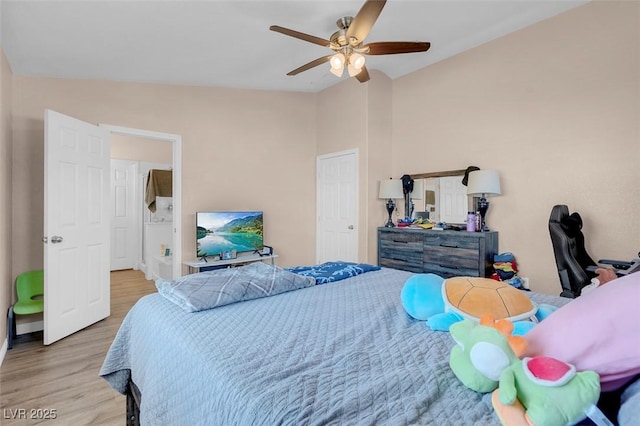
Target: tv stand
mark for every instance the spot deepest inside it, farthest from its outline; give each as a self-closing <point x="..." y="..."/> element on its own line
<point x="242" y="259"/>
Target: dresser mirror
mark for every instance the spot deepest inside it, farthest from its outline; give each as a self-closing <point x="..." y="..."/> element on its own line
<point x="442" y="195"/>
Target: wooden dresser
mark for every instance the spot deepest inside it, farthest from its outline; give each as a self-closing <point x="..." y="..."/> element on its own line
<point x="445" y="253"/>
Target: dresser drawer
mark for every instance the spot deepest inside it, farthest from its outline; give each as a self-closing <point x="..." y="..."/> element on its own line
<point x="398" y="262"/>
<point x="448" y="271"/>
<point x="403" y="242"/>
<point x="449" y="241"/>
<point x="456" y="254"/>
<point x="453" y="258"/>
<point x="401" y="251"/>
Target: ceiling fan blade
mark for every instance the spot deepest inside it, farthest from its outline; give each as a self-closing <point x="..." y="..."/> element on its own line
<point x="310" y="65"/>
<point x="363" y="75"/>
<point x="364" y="20"/>
<point x="301" y="36"/>
<point x="393" y="47"/>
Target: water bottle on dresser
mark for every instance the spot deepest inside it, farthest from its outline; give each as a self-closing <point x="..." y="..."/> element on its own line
<point x="471" y="222"/>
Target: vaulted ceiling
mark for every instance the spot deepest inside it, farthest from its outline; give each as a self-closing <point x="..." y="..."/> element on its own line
<point x="228" y="43"/>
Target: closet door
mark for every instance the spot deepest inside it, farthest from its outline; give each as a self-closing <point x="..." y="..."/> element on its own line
<point x="123" y="214"/>
<point x="337" y="207"/>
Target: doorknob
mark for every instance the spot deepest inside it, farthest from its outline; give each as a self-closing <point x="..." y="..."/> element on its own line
<point x="56" y="239"/>
<point x="350" y="226"/>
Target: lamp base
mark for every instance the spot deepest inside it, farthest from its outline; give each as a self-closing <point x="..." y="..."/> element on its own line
<point x="391" y="206"/>
<point x="407" y="207"/>
<point x="483" y="206"/>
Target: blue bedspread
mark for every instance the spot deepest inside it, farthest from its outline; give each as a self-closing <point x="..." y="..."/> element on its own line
<point x="333" y="271"/>
<point x="345" y="354"/>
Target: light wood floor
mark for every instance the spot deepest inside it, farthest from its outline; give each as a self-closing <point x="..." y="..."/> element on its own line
<point x="64" y="376"/>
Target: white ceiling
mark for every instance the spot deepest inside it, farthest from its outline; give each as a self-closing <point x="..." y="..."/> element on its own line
<point x="228" y="43"/>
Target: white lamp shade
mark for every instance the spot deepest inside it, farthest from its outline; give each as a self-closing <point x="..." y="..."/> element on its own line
<point x="353" y="71"/>
<point x="357" y="60"/>
<point x="418" y="190"/>
<point x="337" y="61"/>
<point x="485" y="183"/>
<point x="336" y="71"/>
<point x="391" y="188"/>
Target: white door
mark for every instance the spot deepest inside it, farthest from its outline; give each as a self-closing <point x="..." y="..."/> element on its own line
<point x="123" y="214"/>
<point x="76" y="225"/>
<point x="454" y="201"/>
<point x="337" y="207"/>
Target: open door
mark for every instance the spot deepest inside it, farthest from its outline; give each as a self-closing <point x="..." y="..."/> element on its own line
<point x="76" y="225"/>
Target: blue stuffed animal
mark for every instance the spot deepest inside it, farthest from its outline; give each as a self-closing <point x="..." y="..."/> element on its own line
<point x="441" y="303"/>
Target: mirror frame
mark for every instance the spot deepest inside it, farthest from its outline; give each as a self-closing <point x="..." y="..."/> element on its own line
<point x="435" y="175"/>
<point x="439" y="174"/>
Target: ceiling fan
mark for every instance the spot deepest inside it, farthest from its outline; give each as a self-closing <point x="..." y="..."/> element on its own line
<point x="347" y="43"/>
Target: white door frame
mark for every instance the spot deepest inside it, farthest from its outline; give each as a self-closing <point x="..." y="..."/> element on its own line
<point x="356" y="219"/>
<point x="176" y="141"/>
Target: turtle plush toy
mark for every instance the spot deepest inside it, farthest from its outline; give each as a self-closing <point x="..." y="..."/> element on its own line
<point x="441" y="303"/>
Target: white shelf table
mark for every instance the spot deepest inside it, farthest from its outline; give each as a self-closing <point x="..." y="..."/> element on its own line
<point x="242" y="259"/>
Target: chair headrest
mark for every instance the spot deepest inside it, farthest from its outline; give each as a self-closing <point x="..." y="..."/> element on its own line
<point x="558" y="213"/>
<point x="572" y="224"/>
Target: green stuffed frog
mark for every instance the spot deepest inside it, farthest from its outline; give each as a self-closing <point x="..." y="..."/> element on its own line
<point x="540" y="391"/>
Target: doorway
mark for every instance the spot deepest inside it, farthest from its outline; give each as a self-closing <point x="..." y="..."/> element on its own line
<point x="77" y="221"/>
<point x="176" y="165"/>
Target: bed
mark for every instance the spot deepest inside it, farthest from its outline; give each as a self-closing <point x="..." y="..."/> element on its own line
<point x="344" y="352"/>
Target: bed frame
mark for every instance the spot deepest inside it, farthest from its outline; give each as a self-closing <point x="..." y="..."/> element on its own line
<point x="133" y="404"/>
<point x="609" y="402"/>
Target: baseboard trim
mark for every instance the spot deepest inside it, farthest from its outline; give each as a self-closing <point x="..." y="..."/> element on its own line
<point x="29" y="327"/>
<point x="3" y="350"/>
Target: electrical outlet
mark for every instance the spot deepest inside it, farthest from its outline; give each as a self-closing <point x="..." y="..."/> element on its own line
<point x="525" y="283"/>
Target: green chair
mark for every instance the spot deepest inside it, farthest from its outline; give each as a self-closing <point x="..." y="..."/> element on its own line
<point x="30" y="291"/>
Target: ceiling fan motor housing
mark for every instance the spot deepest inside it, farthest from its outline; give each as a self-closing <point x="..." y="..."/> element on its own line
<point x="344" y="22"/>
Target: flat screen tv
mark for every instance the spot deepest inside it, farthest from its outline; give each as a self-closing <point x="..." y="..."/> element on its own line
<point x="222" y="231"/>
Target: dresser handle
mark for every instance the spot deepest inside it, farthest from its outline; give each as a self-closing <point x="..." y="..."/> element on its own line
<point x="400" y="241"/>
<point x="448" y="246"/>
<point x="449" y="267"/>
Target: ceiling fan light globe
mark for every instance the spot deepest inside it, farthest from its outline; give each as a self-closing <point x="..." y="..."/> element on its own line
<point x="337" y="62"/>
<point x="357" y="60"/>
<point x="337" y="72"/>
<point x="353" y="71"/>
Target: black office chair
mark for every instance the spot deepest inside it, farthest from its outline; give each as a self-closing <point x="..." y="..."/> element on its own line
<point x="575" y="267"/>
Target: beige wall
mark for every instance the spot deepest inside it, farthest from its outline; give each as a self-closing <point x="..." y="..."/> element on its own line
<point x="241" y="150"/>
<point x="352" y="115"/>
<point x="555" y="109"/>
<point x="379" y="151"/>
<point x="6" y="277"/>
<point x="141" y="149"/>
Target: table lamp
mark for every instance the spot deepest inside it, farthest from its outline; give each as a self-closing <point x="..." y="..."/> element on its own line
<point x="483" y="184"/>
<point x="390" y="190"/>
